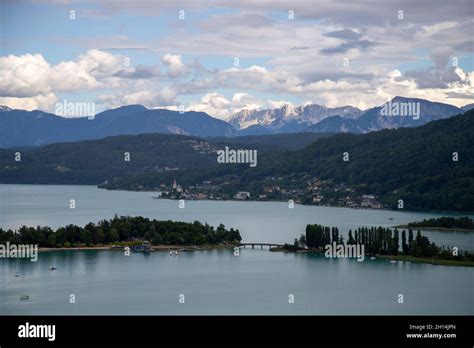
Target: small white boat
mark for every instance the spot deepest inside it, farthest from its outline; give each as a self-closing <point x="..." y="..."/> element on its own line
<point x="393" y="261"/>
<point x="173" y="252"/>
<point x="17" y="274"/>
<point x="372" y="258"/>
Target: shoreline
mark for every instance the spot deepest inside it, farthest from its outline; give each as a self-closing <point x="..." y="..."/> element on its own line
<point x="181" y="248"/>
<point x="154" y="248"/>
<point x="451" y="212"/>
<point x="42" y="249"/>
<point x="408" y="258"/>
<point x="441" y="229"/>
<point x="435" y="262"/>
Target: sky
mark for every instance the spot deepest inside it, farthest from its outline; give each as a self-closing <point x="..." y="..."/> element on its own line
<point x="224" y="56"/>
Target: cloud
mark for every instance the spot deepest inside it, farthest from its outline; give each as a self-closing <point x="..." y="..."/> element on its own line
<point x="346" y="34"/>
<point x="350" y="12"/>
<point x="176" y="68"/>
<point x="24" y="76"/>
<point x="30" y="74"/>
<point x="39" y="102"/>
<point x="283" y="59"/>
<point x="239" y="20"/>
<point x="139" y="72"/>
<point x="433" y="78"/>
<point x="219" y="106"/>
<point x="362" y="45"/>
<point x="29" y="81"/>
<point x="276" y="104"/>
<point x="146" y="96"/>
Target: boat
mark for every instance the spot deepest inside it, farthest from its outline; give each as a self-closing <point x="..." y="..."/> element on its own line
<point x="145" y="247"/>
<point x="52" y="268"/>
<point x="24" y="297"/>
<point x="393" y="261"/>
<point x="174" y="252"/>
<point x="372" y="258"/>
<point x="390" y="218"/>
<point x="17" y="274"/>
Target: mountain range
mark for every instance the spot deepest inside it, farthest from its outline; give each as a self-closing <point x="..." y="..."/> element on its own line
<point x="33" y="128"/>
<point x="317" y="118"/>
<point x="288" y="119"/>
<point x="373" y="119"/>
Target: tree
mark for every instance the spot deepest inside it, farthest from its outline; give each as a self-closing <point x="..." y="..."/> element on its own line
<point x="296" y="244"/>
<point x="52" y="240"/>
<point x="395" y="245"/>
<point x="302" y="241"/>
<point x="350" y="239"/>
<point x="86" y="237"/>
<point x="404" y="243"/>
<point x="157" y="240"/>
<point x="114" y="236"/>
<point x="310" y="236"/>
<point x="410" y="241"/>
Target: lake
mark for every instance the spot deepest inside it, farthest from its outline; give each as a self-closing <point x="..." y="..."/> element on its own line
<point x="216" y="281"/>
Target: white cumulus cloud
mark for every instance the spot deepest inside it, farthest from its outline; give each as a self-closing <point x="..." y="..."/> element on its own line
<point x="176" y="67"/>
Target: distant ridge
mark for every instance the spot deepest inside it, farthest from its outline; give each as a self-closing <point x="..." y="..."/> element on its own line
<point x="33" y="128"/>
<point x="373" y="119"/>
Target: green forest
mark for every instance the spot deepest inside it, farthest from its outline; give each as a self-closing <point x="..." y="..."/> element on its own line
<point x="445" y="222"/>
<point x="123" y="229"/>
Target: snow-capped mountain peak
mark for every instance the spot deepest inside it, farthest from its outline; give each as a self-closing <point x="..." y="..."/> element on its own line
<point x="289" y="116"/>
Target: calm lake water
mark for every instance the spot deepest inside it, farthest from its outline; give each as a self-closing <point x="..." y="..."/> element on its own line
<point x="217" y="282"/>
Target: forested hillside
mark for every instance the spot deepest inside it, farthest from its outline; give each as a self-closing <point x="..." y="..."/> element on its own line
<point x="429" y="167"/>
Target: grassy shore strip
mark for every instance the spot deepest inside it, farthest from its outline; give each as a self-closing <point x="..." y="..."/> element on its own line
<point x="394" y="257"/>
<point x="427" y="260"/>
<point x="153" y="248"/>
<point x="192" y="248"/>
<point x="427" y="228"/>
<point x="299" y="251"/>
<point x="75" y="248"/>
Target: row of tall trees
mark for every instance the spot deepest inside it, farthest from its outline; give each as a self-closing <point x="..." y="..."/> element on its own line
<point x="376" y="240"/>
<point x="318" y="236"/>
<point x="121" y="229"/>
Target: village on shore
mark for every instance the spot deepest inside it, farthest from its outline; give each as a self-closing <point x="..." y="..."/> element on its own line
<point x="316" y="192"/>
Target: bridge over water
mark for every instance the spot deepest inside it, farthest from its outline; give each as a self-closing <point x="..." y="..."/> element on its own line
<point x="261" y="245"/>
